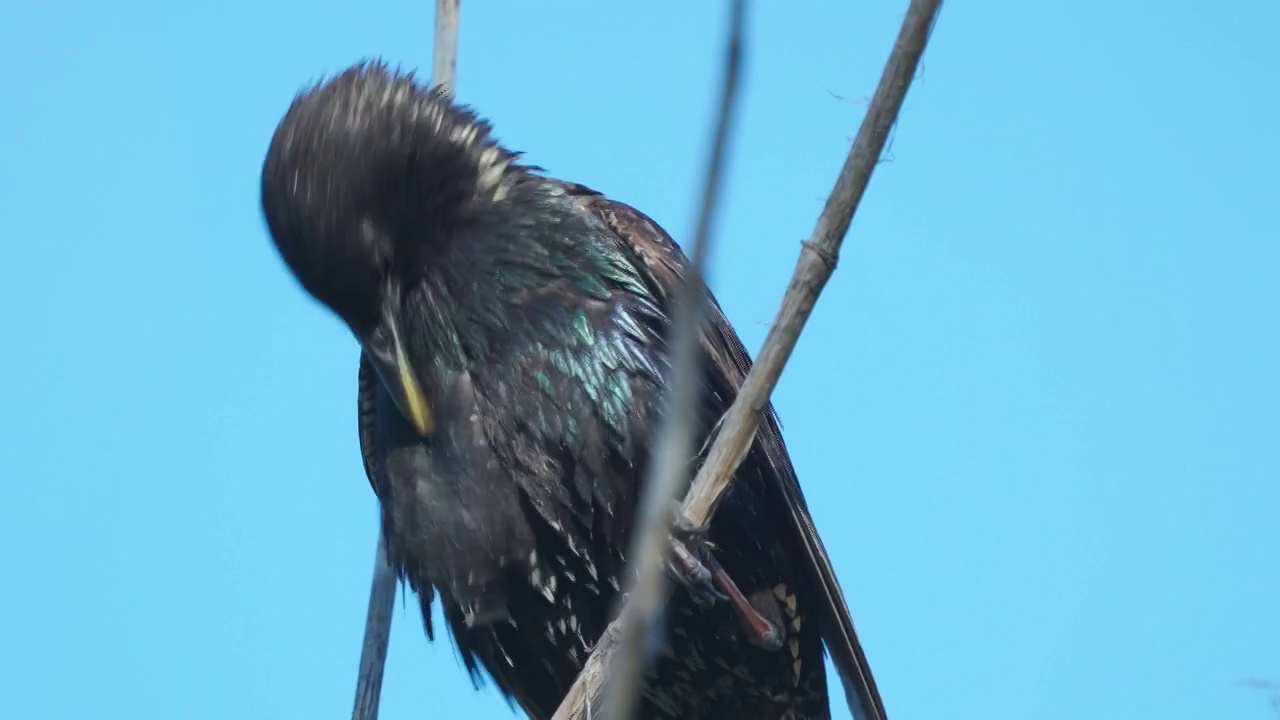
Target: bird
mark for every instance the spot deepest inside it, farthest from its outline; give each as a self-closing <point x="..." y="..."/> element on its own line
<point x="514" y="332"/>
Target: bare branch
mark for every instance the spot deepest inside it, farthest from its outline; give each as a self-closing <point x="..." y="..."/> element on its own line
<point x="715" y="163"/>
<point x="668" y="474"/>
<point x="817" y="262"/>
<point x="1271" y="687"/>
<point x="377" y="634"/>
<point x="382" y="593"/>
<point x="444" y="68"/>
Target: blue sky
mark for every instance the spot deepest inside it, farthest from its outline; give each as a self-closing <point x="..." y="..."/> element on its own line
<point x="1035" y="412"/>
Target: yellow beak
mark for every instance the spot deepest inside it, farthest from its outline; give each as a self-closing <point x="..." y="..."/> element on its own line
<point x="386" y="352"/>
<point x="414" y="404"/>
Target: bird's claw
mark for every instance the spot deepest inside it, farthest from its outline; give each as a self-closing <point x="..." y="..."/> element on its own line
<point x="693" y="574"/>
<point x="693" y="565"/>
<point x="688" y="549"/>
<point x="687" y="532"/>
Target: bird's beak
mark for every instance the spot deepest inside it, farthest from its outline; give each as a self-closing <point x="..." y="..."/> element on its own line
<point x="392" y="363"/>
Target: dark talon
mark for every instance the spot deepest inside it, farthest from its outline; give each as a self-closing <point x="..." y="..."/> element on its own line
<point x="688" y="542"/>
<point x="695" y="567"/>
<point x="682" y="529"/>
<point x="760" y="632"/>
<point x="693" y="575"/>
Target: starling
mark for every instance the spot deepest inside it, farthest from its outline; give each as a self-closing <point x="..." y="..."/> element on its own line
<point x="514" y="330"/>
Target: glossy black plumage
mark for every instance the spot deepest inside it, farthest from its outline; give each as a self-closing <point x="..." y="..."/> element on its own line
<point x="532" y="313"/>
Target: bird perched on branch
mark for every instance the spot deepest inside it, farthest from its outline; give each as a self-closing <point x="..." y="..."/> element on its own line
<point x="514" y="332"/>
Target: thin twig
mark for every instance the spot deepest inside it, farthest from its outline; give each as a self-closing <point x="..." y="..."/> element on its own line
<point x="817" y="262"/>
<point x="382" y="592"/>
<point x="668" y="476"/>
<point x="715" y="163"/>
<point x="377" y="634"/>
<point x="444" y="68"/>
<point x="1271" y="687"/>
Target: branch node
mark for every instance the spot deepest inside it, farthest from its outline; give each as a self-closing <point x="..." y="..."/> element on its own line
<point x="824" y="254"/>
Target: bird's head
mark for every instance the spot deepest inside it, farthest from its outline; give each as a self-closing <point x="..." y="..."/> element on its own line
<point x="364" y="175"/>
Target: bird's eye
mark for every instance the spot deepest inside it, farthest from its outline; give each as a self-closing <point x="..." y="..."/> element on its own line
<point x="379" y="340"/>
<point x="376" y="245"/>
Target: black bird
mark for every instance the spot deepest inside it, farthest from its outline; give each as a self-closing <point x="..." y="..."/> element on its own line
<point x="514" y="333"/>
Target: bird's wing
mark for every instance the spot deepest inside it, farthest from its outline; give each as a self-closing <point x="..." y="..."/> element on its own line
<point x="571" y="385"/>
<point x="729" y="363"/>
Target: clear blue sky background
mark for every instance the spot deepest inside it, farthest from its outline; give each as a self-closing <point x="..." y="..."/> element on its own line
<point x="1035" y="412"/>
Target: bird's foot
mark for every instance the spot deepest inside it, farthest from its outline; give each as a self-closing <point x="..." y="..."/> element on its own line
<point x="688" y="542"/>
<point x="696" y="568"/>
